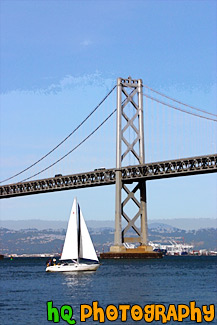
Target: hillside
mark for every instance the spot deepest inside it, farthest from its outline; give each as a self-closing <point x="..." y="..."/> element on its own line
<point x="34" y="241"/>
<point x="181" y="223"/>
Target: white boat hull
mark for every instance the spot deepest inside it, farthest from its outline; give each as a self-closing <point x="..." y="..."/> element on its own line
<point x="72" y="267"/>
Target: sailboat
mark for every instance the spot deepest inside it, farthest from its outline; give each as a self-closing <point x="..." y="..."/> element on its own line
<point x="78" y="245"/>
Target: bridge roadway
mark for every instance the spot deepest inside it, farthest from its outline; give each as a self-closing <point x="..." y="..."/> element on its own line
<point x="150" y="171"/>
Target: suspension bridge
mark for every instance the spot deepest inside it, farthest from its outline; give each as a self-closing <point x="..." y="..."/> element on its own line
<point x="130" y="178"/>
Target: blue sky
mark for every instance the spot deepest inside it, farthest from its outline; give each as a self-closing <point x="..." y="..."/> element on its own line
<point x="165" y="42"/>
<point x="59" y="59"/>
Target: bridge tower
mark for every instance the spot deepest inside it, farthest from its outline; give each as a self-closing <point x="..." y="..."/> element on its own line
<point x="130" y="115"/>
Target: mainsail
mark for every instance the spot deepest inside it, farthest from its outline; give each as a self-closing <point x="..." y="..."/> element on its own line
<point x="70" y="248"/>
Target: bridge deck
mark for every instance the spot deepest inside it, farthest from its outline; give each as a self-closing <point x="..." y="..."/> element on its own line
<point x="150" y="171"/>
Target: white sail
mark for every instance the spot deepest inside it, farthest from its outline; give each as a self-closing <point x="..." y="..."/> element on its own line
<point x="86" y="246"/>
<point x="70" y="248"/>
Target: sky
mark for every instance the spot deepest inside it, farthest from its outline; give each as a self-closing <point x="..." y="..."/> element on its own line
<point x="59" y="59"/>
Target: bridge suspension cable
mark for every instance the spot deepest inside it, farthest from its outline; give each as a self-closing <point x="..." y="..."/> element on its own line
<point x="179" y="109"/>
<point x="80" y="143"/>
<point x="179" y="102"/>
<point x="73" y="149"/>
<point x="58" y="145"/>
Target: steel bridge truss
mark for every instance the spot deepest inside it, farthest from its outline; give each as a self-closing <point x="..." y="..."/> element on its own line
<point x="129" y="174"/>
<point x="130" y="113"/>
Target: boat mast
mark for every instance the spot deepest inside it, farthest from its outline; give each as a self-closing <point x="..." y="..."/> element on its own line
<point x="79" y="231"/>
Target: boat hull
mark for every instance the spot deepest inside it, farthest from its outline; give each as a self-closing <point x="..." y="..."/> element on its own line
<point x="72" y="268"/>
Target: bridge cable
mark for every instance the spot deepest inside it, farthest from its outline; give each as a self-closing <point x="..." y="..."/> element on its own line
<point x="73" y="149"/>
<point x="200" y="110"/>
<point x="52" y="150"/>
<point x="179" y="109"/>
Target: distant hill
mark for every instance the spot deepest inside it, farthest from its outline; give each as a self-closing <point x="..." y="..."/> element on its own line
<point x="188" y="223"/>
<point x="185" y="223"/>
<point x="34" y="241"/>
<point x="33" y="223"/>
<point x="160" y="225"/>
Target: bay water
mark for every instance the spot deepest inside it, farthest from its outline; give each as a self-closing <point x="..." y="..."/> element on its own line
<point x="26" y="287"/>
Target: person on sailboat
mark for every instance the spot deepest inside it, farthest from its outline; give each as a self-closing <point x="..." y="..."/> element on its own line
<point x="49" y="262"/>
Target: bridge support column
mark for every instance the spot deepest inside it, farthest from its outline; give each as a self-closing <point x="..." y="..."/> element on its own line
<point x="132" y="209"/>
<point x="117" y="240"/>
<point x="144" y="223"/>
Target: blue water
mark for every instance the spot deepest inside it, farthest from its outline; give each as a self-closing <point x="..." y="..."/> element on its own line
<point x="26" y="287"/>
